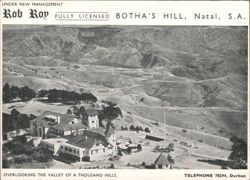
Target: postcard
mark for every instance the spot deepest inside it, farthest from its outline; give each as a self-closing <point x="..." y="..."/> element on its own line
<point x="124" y="90"/>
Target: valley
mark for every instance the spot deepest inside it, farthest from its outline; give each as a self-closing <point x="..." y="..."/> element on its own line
<point x="192" y="78"/>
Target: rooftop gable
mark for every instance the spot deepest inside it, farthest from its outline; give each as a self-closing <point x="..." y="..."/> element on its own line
<point x="65" y="119"/>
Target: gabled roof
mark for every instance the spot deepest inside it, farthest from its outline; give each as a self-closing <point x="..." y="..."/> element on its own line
<point x="91" y="112"/>
<point x="75" y="126"/>
<point x="86" y="140"/>
<point x="89" y="137"/>
<point x="99" y="130"/>
<point x="65" y="119"/>
<point x="161" y="160"/>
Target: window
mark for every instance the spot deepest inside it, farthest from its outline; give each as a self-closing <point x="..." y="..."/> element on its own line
<point x="66" y="149"/>
<point x="77" y="152"/>
<point x="74" y="151"/>
<point x="70" y="150"/>
<point x="104" y="150"/>
<point x="93" y="121"/>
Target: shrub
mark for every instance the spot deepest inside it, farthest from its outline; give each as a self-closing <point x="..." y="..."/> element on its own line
<point x="112" y="166"/>
<point x="171" y="147"/>
<point x="139" y="147"/>
<point x="147" y="130"/>
<point x="238" y="156"/>
<point x="119" y="153"/>
<point x="5" y="163"/>
<point x="143" y="164"/>
<point x="76" y="66"/>
<point x="137" y="128"/>
<point x="129" y="151"/>
<point x="157" y="148"/>
<point x="132" y="128"/>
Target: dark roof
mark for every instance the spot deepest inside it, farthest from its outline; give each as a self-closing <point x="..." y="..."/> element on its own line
<point x="97" y="133"/>
<point x="65" y="119"/>
<point x="75" y="126"/>
<point x="91" y="112"/>
<point x="86" y="139"/>
<point x="161" y="160"/>
<point x="99" y="130"/>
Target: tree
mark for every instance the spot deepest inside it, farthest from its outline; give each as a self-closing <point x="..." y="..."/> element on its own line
<point x="75" y="111"/>
<point x="81" y="111"/>
<point x="14" y="92"/>
<point x="18" y="148"/>
<point x="171" y="147"/>
<point x="156" y="149"/>
<point x="14" y="114"/>
<point x="110" y="113"/>
<point x="171" y="161"/>
<point x="88" y="97"/>
<point x="32" y="116"/>
<point x="132" y="128"/>
<point x="143" y="164"/>
<point x="69" y="112"/>
<point x="139" y="147"/>
<point x="147" y="130"/>
<point x="129" y="151"/>
<point x="7" y="122"/>
<point x="42" y="93"/>
<point x="26" y="93"/>
<point x="6" y="163"/>
<point x="112" y="166"/>
<point x="238" y="156"/>
<point x="7" y="94"/>
<point x="52" y="95"/>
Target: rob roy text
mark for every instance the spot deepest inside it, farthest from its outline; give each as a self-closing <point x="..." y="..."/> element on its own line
<point x="33" y="13"/>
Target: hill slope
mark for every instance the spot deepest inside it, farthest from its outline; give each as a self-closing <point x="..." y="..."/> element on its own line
<point x="197" y="74"/>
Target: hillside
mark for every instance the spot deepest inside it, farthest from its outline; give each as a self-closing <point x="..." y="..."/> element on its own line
<point x="197" y="75"/>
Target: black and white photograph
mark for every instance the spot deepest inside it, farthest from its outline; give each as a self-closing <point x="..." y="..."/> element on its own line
<point x="124" y="97"/>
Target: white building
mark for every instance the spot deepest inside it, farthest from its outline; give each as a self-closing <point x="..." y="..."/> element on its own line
<point x="51" y="124"/>
<point x="93" y="144"/>
<point x="86" y="145"/>
<point x="90" y="118"/>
